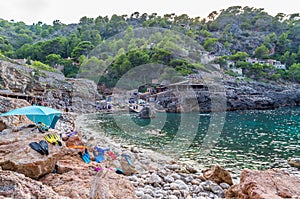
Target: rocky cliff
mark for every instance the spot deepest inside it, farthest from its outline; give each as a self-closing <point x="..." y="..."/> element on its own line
<point x="20" y="81"/>
<point x="230" y="95"/>
<point x="256" y="95"/>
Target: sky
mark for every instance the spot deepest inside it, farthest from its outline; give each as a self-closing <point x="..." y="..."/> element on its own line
<point x="70" y="11"/>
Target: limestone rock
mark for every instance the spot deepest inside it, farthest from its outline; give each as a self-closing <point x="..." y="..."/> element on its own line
<point x="218" y="175"/>
<point x="73" y="177"/>
<point x="52" y="87"/>
<point x="8" y="104"/>
<point x="16" y="154"/>
<point x="240" y="95"/>
<point x="154" y="178"/>
<point x="294" y="162"/>
<point x="147" y="112"/>
<point x="84" y="92"/>
<point x="273" y="183"/>
<point x="108" y="184"/>
<point x="76" y="179"/>
<point x="15" y="185"/>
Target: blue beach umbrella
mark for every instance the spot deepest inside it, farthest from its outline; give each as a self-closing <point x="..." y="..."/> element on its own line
<point x="46" y="115"/>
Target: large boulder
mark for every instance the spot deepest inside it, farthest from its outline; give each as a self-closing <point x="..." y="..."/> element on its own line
<point x="147" y="113"/>
<point x="73" y="177"/>
<point x="76" y="179"/>
<point x="108" y="184"/>
<point x="84" y="95"/>
<point x="273" y="183"/>
<point x="217" y="174"/>
<point x="16" y="185"/>
<point x="17" y="155"/>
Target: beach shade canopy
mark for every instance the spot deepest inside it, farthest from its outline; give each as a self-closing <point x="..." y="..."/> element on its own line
<point x="46" y="115"/>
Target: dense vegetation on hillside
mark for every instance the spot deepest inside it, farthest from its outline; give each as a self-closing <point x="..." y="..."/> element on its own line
<point x="232" y="34"/>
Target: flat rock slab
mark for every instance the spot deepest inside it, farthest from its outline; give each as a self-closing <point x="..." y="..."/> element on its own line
<point x="16" y="154"/>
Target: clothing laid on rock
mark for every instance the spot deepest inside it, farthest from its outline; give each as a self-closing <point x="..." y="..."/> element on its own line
<point x="99" y="154"/>
<point x="76" y="147"/>
<point x="112" y="155"/>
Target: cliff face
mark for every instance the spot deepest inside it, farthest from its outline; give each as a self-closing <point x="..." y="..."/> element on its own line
<point x="233" y="96"/>
<point x="49" y="88"/>
<point x="16" y="80"/>
<point x="257" y="95"/>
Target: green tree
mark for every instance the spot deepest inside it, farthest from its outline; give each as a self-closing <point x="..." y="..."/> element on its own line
<point x="5" y="45"/>
<point x="243" y="64"/>
<point x="23" y="39"/>
<point x="56" y="45"/>
<point x="261" y="52"/>
<point x="204" y="33"/>
<point x="214" y="26"/>
<point x="209" y="44"/>
<point x="239" y="56"/>
<point x="221" y="61"/>
<point x="41" y="66"/>
<point x="161" y="56"/>
<point x="282" y="44"/>
<point x="53" y="59"/>
<point x="288" y="58"/>
<point x="138" y="57"/>
<point x="86" y="21"/>
<point x="45" y="33"/>
<point x="92" y="68"/>
<point x="25" y="51"/>
<point x="294" y="72"/>
<point x="83" y="48"/>
<point x="270" y="40"/>
<point x="72" y="42"/>
<point x="57" y="24"/>
<point x="212" y="15"/>
<point x="70" y="70"/>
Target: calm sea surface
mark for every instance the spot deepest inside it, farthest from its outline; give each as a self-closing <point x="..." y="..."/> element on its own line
<point x="256" y="139"/>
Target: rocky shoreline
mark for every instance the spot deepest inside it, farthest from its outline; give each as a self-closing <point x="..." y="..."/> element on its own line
<point x="25" y="173"/>
<point x="160" y="176"/>
<point x="64" y="175"/>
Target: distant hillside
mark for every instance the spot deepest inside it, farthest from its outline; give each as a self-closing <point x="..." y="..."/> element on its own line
<point x="225" y="33"/>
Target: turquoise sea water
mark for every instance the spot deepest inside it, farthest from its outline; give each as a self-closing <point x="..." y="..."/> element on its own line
<point x="256" y="139"/>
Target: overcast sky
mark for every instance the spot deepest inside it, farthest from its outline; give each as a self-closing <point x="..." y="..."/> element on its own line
<point x="70" y="11"/>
